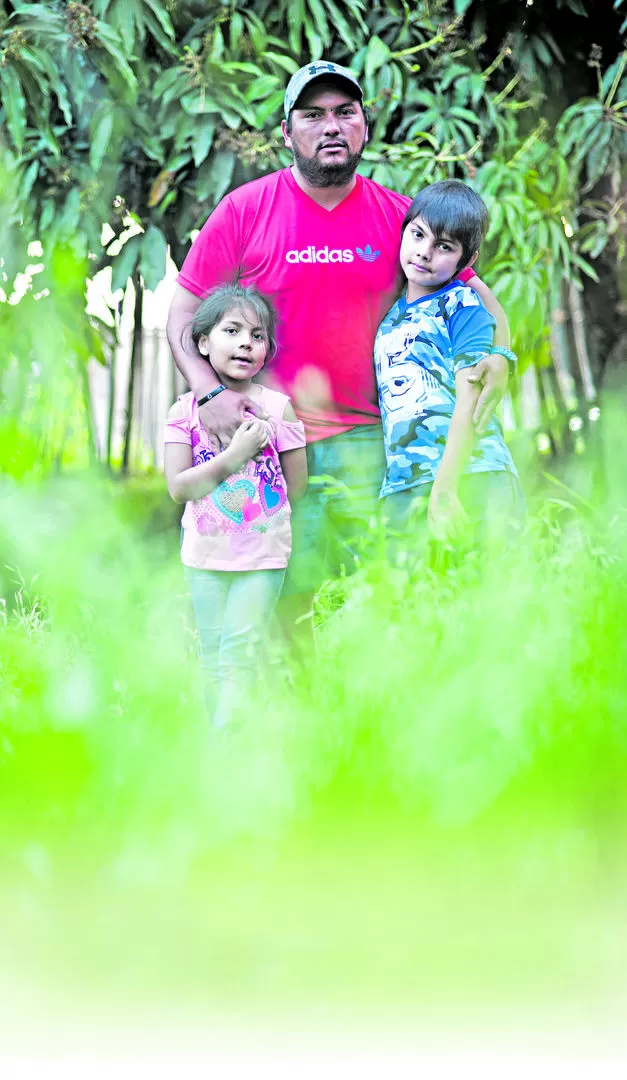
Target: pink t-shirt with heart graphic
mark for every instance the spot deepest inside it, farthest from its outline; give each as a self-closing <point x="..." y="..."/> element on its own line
<point x="244" y="523"/>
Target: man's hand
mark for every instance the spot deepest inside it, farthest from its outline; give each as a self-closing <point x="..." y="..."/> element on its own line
<point x="448" y="521"/>
<point x="492" y="372"/>
<point x="248" y="440"/>
<point x="224" y="414"/>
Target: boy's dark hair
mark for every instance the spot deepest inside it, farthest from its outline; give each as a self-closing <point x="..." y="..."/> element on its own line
<point x="220" y="300"/>
<point x="453" y="209"/>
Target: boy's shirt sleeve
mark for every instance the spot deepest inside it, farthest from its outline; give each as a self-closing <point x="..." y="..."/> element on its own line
<point x="471" y="330"/>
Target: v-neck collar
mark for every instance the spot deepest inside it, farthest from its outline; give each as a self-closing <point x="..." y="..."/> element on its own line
<point x="312" y="202"/>
<point x="405" y="303"/>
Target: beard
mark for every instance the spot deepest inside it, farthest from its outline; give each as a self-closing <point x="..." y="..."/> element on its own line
<point x="322" y="176"/>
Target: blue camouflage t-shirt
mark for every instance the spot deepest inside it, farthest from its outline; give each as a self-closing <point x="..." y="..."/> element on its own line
<point x="418" y="349"/>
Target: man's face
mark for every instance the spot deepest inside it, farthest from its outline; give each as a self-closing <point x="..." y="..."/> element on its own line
<point x="327" y="136"/>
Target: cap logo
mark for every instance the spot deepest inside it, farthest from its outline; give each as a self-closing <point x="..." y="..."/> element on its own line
<point x="315" y="70"/>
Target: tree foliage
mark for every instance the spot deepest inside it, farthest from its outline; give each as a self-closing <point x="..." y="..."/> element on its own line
<point x="143" y="113"/>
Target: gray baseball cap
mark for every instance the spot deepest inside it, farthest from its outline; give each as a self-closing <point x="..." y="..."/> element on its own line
<point x="317" y="69"/>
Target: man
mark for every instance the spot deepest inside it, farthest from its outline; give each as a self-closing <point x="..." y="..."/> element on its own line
<point x="323" y="242"/>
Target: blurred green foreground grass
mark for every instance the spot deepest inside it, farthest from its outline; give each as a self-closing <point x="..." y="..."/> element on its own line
<point x="434" y="812"/>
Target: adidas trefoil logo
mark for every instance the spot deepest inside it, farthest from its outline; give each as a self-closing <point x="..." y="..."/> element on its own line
<point x="368" y="255"/>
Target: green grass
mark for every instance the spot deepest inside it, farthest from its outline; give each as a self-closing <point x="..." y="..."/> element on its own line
<point x="433" y="813"/>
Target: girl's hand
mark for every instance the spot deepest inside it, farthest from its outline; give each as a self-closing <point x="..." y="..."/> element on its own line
<point x="222" y="416"/>
<point x="249" y="439"/>
<point x="448" y="521"/>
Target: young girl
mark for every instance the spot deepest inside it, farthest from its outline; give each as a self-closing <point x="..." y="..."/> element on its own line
<point x="236" y="524"/>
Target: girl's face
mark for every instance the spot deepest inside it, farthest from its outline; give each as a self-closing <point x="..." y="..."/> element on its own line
<point x="428" y="261"/>
<point x="236" y="346"/>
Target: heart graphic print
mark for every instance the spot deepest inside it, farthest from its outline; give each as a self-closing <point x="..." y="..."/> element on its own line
<point x="231" y="498"/>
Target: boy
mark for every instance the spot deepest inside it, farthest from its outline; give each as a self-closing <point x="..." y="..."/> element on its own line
<point x="425" y="348"/>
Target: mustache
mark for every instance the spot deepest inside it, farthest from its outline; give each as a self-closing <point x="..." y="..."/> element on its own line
<point x="333" y="142"/>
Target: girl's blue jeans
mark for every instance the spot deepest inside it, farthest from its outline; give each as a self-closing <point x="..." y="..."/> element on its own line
<point x="233" y="610"/>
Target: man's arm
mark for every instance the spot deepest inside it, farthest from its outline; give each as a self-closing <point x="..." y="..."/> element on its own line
<point x="198" y="374"/>
<point x="493" y="371"/>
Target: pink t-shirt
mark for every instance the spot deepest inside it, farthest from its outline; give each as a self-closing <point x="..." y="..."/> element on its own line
<point x="332" y="275"/>
<point x="244" y="523"/>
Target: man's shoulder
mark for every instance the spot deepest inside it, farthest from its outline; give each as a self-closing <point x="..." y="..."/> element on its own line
<point x="377" y="191"/>
<point x="253" y="190"/>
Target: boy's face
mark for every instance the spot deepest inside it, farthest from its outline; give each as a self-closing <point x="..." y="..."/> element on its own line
<point x="428" y="261"/>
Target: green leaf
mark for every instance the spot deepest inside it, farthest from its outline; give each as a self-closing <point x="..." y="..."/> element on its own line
<point x="598" y="157"/>
<point x="285" y="62"/>
<point x="178" y="161"/>
<point x="215" y="176"/>
<point x="198" y="102"/>
<point x="153" y="253"/>
<point x="28" y="179"/>
<point x="315" y="42"/>
<point x="124" y="264"/>
<point x="70" y="217"/>
<point x="125" y="17"/>
<point x="296" y="23"/>
<point x="585" y="267"/>
<point x="14" y="107"/>
<point x="162" y="17"/>
<point x="202" y="140"/>
<point x="166" y="80"/>
<point x="47" y="215"/>
<point x="236" y="29"/>
<point x="377" y="54"/>
<point x="110" y="41"/>
<point x="271" y="105"/>
<point x="261" y="87"/>
<point x="319" y="17"/>
<point x="341" y="24"/>
<point x="101" y="130"/>
<point x="217" y="44"/>
<point x="464" y="114"/>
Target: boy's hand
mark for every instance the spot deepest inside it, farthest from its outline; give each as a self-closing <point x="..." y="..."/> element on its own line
<point x="493" y="373"/>
<point x="248" y="440"/>
<point x="222" y="416"/>
<point x="448" y="521"/>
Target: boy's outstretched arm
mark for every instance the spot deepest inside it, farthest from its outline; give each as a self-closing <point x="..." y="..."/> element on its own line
<point x="447" y="517"/>
<point x="492" y="373"/>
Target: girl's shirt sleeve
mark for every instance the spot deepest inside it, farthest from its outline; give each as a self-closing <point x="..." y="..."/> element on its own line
<point x="177" y="426"/>
<point x="290" y="434"/>
<point x="471" y="330"/>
